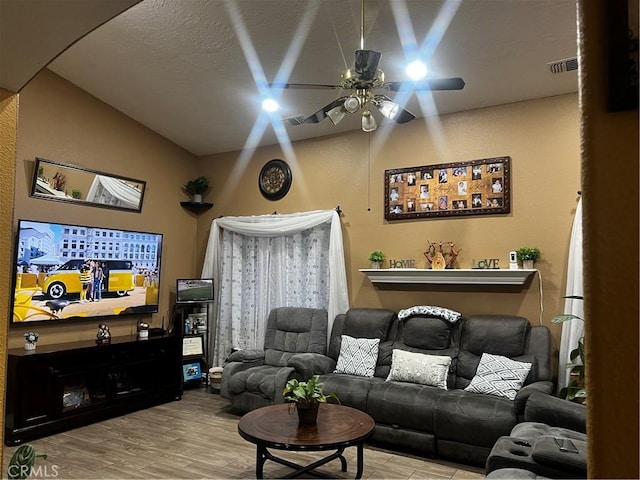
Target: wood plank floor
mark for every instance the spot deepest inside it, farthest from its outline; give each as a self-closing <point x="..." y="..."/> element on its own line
<point x="196" y="438"/>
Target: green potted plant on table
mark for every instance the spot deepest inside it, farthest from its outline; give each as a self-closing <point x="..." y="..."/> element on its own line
<point x="575" y="390"/>
<point x="528" y="256"/>
<point x="196" y="188"/>
<point x="376" y="258"/>
<point x="307" y="397"/>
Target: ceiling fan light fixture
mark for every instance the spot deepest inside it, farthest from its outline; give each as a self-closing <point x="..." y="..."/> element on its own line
<point x="388" y="109"/>
<point x="352" y="104"/>
<point x="336" y="114"/>
<point x="270" y="105"/>
<point x="368" y="122"/>
<point x="416" y="70"/>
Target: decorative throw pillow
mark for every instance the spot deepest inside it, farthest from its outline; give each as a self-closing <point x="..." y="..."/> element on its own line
<point x="419" y="368"/>
<point x="499" y="376"/>
<point x="358" y="356"/>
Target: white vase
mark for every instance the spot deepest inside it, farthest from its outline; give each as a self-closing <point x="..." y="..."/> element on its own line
<point x="527" y="264"/>
<point x="29" y="346"/>
<point x="197" y="198"/>
<point x="375" y="264"/>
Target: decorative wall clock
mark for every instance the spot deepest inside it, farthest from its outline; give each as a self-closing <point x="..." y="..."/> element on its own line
<point x="275" y="179"/>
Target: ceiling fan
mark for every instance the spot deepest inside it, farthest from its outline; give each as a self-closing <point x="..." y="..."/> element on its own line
<point x="364" y="80"/>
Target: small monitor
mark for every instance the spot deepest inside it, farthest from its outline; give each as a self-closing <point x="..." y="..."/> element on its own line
<point x="194" y="290"/>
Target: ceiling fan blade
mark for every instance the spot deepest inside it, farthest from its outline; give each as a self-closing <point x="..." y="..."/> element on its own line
<point x="321" y="114"/>
<point x="317" y="86"/>
<point x="366" y="64"/>
<point x="392" y="110"/>
<point x="454" y="83"/>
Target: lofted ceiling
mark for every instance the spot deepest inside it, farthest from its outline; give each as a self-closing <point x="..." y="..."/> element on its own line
<point x="182" y="67"/>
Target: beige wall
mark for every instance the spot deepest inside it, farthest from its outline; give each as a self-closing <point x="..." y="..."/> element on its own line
<point x="8" y="128"/>
<point x="542" y="138"/>
<point x="59" y="121"/>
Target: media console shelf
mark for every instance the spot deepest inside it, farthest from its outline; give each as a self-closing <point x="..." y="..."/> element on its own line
<point x="455" y="276"/>
<point x="59" y="387"/>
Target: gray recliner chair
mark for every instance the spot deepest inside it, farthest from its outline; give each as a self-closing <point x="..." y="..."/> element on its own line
<point x="295" y="339"/>
<point x="531" y="450"/>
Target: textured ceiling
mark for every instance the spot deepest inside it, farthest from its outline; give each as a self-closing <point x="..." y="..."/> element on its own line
<point x="181" y="67"/>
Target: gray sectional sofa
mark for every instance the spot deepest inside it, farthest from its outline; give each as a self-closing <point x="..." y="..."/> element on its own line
<point x="448" y="423"/>
<point x="451" y="423"/>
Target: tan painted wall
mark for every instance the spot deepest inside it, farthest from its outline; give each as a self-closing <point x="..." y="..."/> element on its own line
<point x="542" y="138"/>
<point x="58" y="121"/>
<point x="610" y="172"/>
<point x="8" y="128"/>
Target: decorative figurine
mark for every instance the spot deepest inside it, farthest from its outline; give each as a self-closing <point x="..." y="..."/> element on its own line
<point x="143" y="330"/>
<point x="436" y="255"/>
<point x="103" y="335"/>
<point x="30" y="340"/>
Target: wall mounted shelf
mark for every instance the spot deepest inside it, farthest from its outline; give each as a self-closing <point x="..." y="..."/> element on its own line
<point x="456" y="276"/>
<point x="196" y="207"/>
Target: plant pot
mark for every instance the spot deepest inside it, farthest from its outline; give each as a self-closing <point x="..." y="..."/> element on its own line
<point x="527" y="264"/>
<point x="196" y="198"/>
<point x="307" y="413"/>
<point x="29" y="346"/>
<point x="376" y="264"/>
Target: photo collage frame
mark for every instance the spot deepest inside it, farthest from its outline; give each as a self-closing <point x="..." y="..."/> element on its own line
<point x="476" y="187"/>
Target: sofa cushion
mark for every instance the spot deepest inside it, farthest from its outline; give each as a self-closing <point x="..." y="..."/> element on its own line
<point x="358" y="356"/>
<point x="360" y="323"/>
<point x="426" y="333"/>
<point x="472" y="419"/>
<point x="419" y="368"/>
<point x="257" y="380"/>
<point x="504" y="335"/>
<point x="351" y="390"/>
<point x="499" y="376"/>
<point x="403" y="405"/>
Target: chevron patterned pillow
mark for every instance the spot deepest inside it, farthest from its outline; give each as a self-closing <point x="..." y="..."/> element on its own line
<point x="358" y="356"/>
<point x="499" y="376"/>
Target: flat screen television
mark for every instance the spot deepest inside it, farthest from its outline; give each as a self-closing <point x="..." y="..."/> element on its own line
<point x="194" y="290"/>
<point x="72" y="272"/>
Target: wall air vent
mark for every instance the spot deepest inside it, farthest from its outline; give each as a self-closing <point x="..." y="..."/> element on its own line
<point x="562" y="66"/>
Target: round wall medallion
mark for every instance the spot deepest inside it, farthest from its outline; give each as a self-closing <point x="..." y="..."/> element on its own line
<point x="275" y="179"/>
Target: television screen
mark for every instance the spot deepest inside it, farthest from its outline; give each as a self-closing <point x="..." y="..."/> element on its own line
<point x="194" y="290"/>
<point x="79" y="271"/>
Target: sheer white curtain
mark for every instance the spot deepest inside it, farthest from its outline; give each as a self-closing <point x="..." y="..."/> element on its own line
<point x="573" y="329"/>
<point x="262" y="262"/>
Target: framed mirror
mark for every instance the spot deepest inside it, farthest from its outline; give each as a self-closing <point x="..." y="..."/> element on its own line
<point x="64" y="182"/>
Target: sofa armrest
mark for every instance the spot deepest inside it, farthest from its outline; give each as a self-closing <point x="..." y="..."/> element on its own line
<point x="556" y="412"/>
<point x="230" y="369"/>
<point x="519" y="403"/>
<point x="546" y="452"/>
<point x="309" y="364"/>
<point x="249" y="355"/>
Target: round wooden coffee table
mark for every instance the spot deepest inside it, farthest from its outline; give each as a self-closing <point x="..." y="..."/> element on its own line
<point x="274" y="427"/>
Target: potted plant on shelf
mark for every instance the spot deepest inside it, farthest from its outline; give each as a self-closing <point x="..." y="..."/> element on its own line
<point x="528" y="256"/>
<point x="196" y="188"/>
<point x="307" y="397"/>
<point x="376" y="258"/>
<point x="575" y="390"/>
<point x="30" y="340"/>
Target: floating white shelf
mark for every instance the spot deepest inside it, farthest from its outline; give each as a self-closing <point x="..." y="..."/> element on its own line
<point x="456" y="276"/>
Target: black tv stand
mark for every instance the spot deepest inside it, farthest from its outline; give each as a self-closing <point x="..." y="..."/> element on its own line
<point x="59" y="387"/>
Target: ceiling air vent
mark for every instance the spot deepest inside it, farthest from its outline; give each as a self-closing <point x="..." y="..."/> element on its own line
<point x="565" y="65"/>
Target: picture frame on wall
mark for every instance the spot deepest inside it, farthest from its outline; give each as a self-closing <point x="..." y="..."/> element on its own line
<point x="475" y="187"/>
